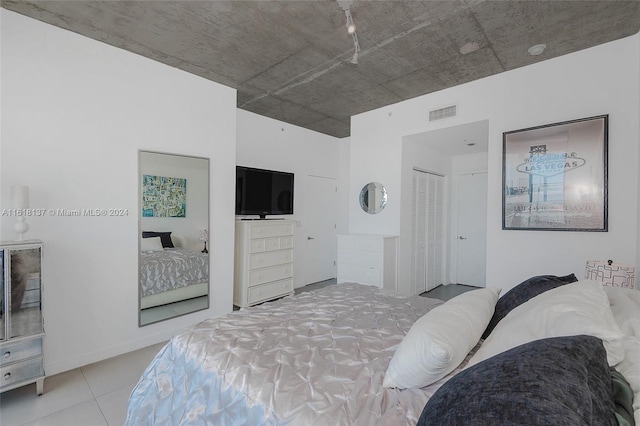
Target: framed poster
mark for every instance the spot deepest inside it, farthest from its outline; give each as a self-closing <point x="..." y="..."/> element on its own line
<point x="554" y="177"/>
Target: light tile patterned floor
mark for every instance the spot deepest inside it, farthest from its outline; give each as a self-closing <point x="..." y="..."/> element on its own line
<point x="95" y="394"/>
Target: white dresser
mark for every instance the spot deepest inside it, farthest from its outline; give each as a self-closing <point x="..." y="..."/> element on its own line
<point x="368" y="259"/>
<point x="263" y="261"/>
<point x="21" y="323"/>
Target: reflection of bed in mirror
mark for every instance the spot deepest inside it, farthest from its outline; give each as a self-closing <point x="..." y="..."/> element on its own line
<point x="169" y="275"/>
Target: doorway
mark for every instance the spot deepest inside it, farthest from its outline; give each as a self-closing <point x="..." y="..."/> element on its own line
<point x="472" y="229"/>
<point x="321" y="198"/>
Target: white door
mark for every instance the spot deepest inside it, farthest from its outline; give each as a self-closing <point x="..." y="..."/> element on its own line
<point x="472" y="229"/>
<point x="321" y="207"/>
<point x="427" y="231"/>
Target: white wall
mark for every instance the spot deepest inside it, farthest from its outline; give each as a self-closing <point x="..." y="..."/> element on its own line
<point x="600" y="80"/>
<point x="75" y="112"/>
<point x="266" y="143"/>
<point x="343" y="188"/>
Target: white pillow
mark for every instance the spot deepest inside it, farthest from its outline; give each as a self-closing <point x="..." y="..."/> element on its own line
<point x="572" y="309"/>
<point x="440" y="340"/>
<point x="151" y="244"/>
<point x="625" y="305"/>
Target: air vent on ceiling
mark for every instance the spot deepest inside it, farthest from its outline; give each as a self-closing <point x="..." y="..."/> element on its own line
<point x="439" y="114"/>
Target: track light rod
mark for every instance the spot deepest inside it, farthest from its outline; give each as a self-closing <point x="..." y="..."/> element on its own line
<point x="351" y="27"/>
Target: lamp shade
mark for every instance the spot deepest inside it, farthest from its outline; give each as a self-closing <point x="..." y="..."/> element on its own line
<point x="204" y="235"/>
<point x="20" y="196"/>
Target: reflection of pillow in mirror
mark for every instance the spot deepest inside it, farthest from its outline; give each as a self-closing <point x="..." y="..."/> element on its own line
<point x="165" y="237"/>
<point x="151" y="244"/>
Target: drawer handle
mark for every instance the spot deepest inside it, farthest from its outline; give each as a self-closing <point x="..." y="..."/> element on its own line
<point x="7" y="355"/>
<point x="7" y="376"/>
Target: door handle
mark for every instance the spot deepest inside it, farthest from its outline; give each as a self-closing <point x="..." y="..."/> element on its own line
<point x="460" y="237"/>
<point x="310" y="238"/>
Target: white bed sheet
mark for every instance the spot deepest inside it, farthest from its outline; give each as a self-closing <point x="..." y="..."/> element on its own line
<point x="625" y="305"/>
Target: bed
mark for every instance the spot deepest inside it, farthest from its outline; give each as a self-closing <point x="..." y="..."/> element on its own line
<point x="355" y="354"/>
<point x="171" y="273"/>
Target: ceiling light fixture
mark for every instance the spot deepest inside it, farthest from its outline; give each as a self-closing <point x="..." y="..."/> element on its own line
<point x="469" y="47"/>
<point x="537" y="49"/>
<point x="351" y="28"/>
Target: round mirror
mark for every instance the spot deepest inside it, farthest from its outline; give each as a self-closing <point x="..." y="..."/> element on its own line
<point x="373" y="197"/>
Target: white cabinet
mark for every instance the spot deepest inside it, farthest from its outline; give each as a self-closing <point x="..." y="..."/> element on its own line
<point x="263" y="261"/>
<point x="368" y="259"/>
<point x="21" y="325"/>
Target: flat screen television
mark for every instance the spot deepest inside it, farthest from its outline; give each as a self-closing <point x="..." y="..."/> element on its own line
<point x="263" y="192"/>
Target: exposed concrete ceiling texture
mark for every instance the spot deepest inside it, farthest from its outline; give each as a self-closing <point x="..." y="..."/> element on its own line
<point x="291" y="60"/>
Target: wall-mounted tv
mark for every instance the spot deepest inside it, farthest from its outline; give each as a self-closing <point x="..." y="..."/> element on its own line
<point x="263" y="192"/>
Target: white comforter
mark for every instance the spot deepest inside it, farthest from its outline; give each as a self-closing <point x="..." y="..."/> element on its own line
<point x="171" y="269"/>
<point x="316" y="359"/>
<point x="625" y="305"/>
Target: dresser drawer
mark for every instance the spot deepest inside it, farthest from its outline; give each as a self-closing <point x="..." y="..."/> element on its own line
<point x="25" y="349"/>
<point x="359" y="274"/>
<point x="370" y="244"/>
<point x="286" y="242"/>
<point x="21" y="371"/>
<point x="272" y="244"/>
<point x="271" y="230"/>
<point x="359" y="258"/>
<point x="274" y="273"/>
<point x="270" y="258"/>
<point x="270" y="290"/>
<point x="257" y="246"/>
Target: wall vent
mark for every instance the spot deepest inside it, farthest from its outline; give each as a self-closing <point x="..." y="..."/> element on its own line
<point x="439" y="114"/>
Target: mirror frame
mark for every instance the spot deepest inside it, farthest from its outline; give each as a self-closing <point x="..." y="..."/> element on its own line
<point x="364" y="197"/>
<point x="140" y="230"/>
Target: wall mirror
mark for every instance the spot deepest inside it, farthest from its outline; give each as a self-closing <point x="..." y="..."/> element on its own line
<point x="373" y="197"/>
<point x="173" y="224"/>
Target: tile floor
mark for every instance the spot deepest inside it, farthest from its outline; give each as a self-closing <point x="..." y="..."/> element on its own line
<point x="97" y="394"/>
<point x="446" y="292"/>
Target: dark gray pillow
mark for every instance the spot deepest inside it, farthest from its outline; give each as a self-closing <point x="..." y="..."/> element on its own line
<point x="523" y="292"/>
<point x="165" y="237"/>
<point x="622" y="397"/>
<point x="555" y="381"/>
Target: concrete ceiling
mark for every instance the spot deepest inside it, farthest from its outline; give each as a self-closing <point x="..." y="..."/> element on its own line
<point x="291" y="60"/>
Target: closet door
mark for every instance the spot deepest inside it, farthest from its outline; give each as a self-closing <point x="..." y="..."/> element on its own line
<point x="427" y="231"/>
<point x="419" y="234"/>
